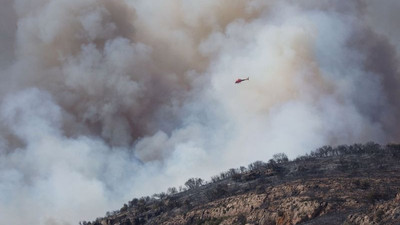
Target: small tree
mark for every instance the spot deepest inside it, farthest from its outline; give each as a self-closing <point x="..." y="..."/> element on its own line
<point x="215" y="179"/>
<point x="194" y="183"/>
<point x="256" y="165"/>
<point x="124" y="208"/>
<point x="172" y="191"/>
<point x="182" y="189"/>
<point x="133" y="202"/>
<point x="161" y="195"/>
<point x="280" y="158"/>
<point x="232" y="172"/>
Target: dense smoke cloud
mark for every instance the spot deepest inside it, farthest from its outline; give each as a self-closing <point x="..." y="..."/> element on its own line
<point x="102" y="101"/>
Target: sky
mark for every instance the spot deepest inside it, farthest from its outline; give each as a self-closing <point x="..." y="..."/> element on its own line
<point x="103" y="101"/>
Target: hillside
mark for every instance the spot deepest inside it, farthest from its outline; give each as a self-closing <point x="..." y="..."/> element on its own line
<point x="357" y="184"/>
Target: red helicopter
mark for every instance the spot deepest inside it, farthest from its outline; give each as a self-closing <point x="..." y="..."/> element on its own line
<point x="240" y="80"/>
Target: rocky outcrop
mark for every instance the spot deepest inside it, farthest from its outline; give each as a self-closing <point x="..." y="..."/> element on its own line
<point x="290" y="203"/>
<point x="340" y="189"/>
<point x="384" y="212"/>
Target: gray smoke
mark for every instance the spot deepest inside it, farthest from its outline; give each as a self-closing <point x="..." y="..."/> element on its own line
<point x="102" y="101"/>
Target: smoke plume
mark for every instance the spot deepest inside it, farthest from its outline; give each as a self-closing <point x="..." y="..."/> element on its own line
<point x="102" y="101"/>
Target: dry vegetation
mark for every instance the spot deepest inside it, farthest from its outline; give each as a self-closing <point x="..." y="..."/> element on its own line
<point x="357" y="184"/>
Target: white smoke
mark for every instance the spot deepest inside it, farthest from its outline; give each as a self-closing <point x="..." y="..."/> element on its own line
<point x="102" y="101"/>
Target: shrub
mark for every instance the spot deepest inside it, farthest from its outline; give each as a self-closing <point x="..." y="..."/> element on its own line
<point x="374" y="196"/>
<point x="218" y="192"/>
<point x="208" y="221"/>
<point x="242" y="220"/>
<point x="378" y="215"/>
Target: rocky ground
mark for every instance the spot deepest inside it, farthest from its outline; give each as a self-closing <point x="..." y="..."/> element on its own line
<point x="357" y="184"/>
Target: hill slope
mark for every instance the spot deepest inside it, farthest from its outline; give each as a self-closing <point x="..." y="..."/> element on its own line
<point x="357" y="184"/>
